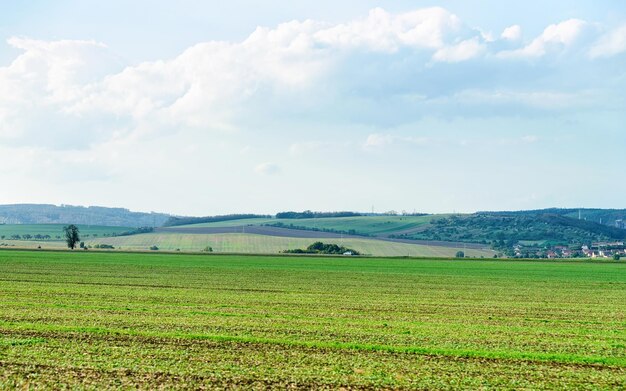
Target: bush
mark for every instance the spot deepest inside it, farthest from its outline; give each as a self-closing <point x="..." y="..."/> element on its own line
<point x="323" y="248"/>
<point x="104" y="246"/>
<point x="154" y="248"/>
<point x="616" y="257"/>
<point x="460" y="254"/>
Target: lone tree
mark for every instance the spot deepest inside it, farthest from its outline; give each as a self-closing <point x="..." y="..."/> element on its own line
<point x="460" y="254"/>
<point x="71" y="235"/>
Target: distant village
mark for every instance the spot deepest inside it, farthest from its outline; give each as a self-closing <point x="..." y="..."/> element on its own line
<point x="604" y="250"/>
<point x="609" y="250"/>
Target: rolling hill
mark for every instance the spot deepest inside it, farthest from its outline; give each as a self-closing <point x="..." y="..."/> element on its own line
<point x="274" y="244"/>
<point x="68" y="214"/>
<point x="609" y="217"/>
<point x="518" y="233"/>
<point x="527" y="233"/>
<point x="55" y="231"/>
<point x="482" y="227"/>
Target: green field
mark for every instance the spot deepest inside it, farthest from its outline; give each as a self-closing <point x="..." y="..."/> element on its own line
<point x="368" y="225"/>
<point x="263" y="244"/>
<point x="99" y="320"/>
<point x="54" y="230"/>
<point x="230" y="223"/>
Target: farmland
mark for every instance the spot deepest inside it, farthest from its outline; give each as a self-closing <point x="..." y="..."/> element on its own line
<point x="265" y="244"/>
<point x="507" y="233"/>
<point x="364" y="225"/>
<point x="96" y="320"/>
<point x="54" y="230"/>
<point x="229" y="237"/>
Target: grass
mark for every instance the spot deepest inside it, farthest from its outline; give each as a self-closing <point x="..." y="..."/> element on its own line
<point x="263" y="244"/>
<point x="117" y="320"/>
<point x="369" y="225"/>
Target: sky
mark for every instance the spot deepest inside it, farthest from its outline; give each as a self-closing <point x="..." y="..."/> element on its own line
<point x="204" y="108"/>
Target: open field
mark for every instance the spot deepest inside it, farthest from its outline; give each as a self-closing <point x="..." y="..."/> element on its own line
<point x="264" y="244"/>
<point x="33" y="244"/>
<point x="229" y="223"/>
<point x="99" y="320"/>
<point x="369" y="225"/>
<point x="56" y="230"/>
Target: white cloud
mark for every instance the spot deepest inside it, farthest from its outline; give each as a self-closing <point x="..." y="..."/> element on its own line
<point x="85" y="93"/>
<point x="462" y="51"/>
<point x="556" y="37"/>
<point x="78" y="95"/>
<point x="512" y="33"/>
<point x="610" y="44"/>
<point x="371" y="91"/>
<point x="378" y="140"/>
<point x="37" y="86"/>
<point x="382" y="31"/>
<point x="206" y="84"/>
<point x="267" y="168"/>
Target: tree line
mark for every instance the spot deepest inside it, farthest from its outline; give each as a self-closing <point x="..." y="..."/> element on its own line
<point x="175" y="221"/>
<point x="323" y="248"/>
<point x="307" y="214"/>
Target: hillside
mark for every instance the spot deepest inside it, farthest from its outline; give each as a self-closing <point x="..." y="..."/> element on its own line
<point x="487" y="228"/>
<point x="174" y="221"/>
<point x="66" y="214"/>
<point x="523" y="233"/>
<point x="610" y="217"/>
<point x="354" y="225"/>
<point x="482" y="227"/>
<point x="266" y="244"/>
<point x="54" y="232"/>
<point x="531" y="233"/>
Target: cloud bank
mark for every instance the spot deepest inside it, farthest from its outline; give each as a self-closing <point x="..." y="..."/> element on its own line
<point x="73" y="103"/>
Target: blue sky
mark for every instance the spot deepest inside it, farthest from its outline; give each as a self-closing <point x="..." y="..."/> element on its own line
<point x="199" y="107"/>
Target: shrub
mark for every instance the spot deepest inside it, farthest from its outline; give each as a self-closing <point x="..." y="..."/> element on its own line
<point x="104" y="246"/>
<point x="323" y="248"/>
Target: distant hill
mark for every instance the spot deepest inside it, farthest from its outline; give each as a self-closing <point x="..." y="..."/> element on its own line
<point x="307" y="214"/>
<point x="487" y="227"/>
<point x="529" y="234"/>
<point x="610" y="217"/>
<point x="67" y="214"/>
<point x="173" y="221"/>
